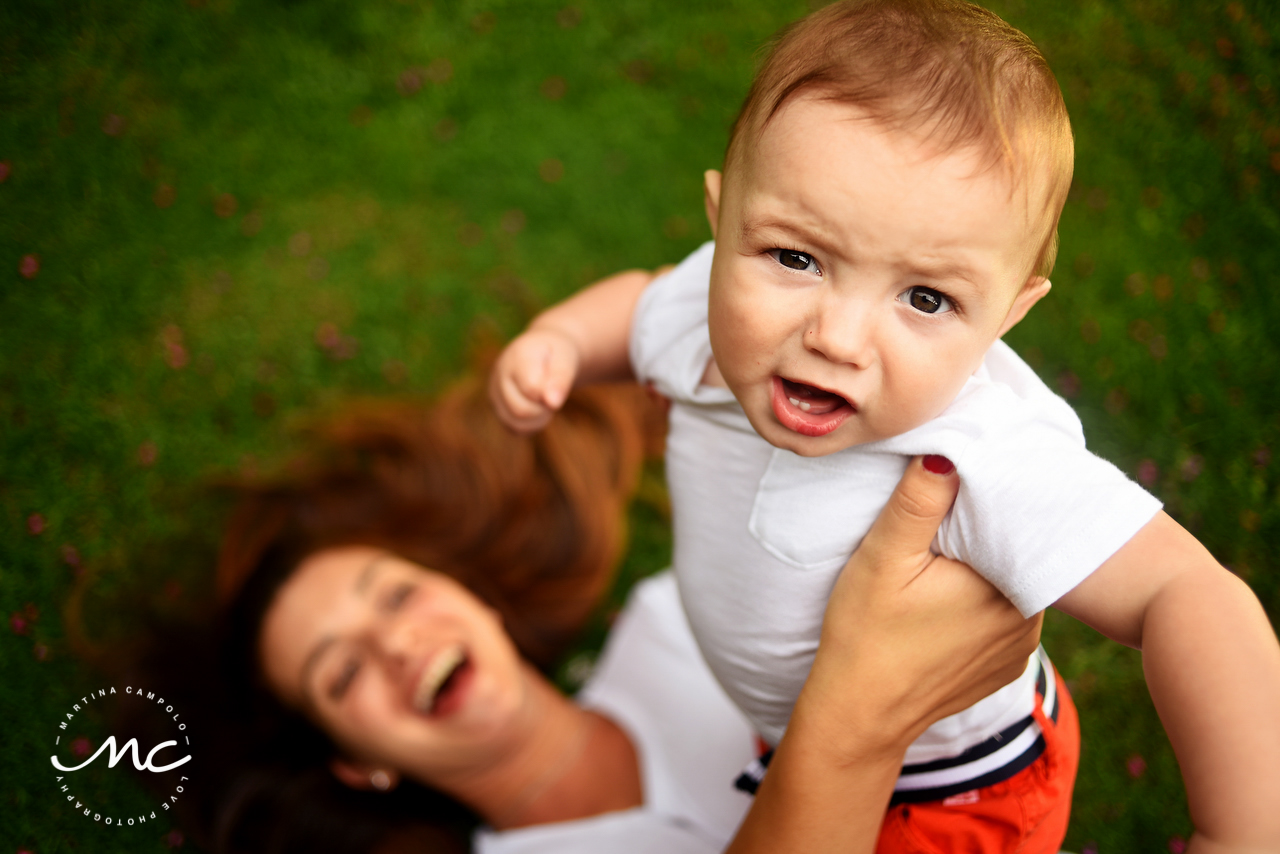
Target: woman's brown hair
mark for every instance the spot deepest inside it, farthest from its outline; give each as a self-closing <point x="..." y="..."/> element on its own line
<point x="534" y="525"/>
<point x="531" y="524"/>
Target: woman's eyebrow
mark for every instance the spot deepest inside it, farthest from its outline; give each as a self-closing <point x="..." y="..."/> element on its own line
<point x="362" y="583"/>
<point x="367" y="574"/>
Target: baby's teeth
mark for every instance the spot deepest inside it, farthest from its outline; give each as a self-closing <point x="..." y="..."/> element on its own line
<point x="794" y="401"/>
<point x="805" y="405"/>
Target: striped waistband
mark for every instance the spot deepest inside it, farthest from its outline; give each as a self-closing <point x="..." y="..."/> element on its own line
<point x="992" y="761"/>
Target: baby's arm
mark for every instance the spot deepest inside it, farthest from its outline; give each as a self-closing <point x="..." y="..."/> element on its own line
<point x="583" y="339"/>
<point x="1212" y="665"/>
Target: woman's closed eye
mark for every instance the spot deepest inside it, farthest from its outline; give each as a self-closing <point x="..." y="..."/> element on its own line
<point x="793" y="259"/>
<point x="926" y="300"/>
<point x="397" y="595"/>
<point x="346" y="675"/>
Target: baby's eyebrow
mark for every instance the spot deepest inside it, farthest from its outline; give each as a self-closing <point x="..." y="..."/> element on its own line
<point x="949" y="271"/>
<point x="750" y="229"/>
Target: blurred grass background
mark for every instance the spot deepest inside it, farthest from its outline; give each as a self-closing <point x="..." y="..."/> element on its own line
<point x="219" y="214"/>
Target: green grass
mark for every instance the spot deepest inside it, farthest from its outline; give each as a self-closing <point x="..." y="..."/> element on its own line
<point x="247" y="210"/>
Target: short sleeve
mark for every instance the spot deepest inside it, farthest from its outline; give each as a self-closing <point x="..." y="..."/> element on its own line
<point x="1037" y="513"/>
<point x="670" y="344"/>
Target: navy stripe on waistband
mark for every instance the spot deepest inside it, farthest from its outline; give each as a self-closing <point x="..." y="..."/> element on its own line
<point x="966" y="771"/>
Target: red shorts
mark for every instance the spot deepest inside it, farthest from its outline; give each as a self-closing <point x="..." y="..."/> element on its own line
<point x="1027" y="813"/>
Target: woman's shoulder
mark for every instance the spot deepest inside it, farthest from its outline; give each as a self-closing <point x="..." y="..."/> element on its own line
<point x="692" y="741"/>
<point x="634" y="831"/>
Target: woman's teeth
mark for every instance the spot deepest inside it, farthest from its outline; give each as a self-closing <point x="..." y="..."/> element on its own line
<point x="436" y="674"/>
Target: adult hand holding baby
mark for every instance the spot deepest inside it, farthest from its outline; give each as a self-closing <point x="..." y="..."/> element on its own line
<point x="909" y="637"/>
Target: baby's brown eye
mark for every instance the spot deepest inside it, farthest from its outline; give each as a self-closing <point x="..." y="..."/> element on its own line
<point x="795" y="260"/>
<point x="926" y="300"/>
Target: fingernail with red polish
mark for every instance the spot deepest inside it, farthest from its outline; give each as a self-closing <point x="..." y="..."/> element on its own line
<point x="938" y="464"/>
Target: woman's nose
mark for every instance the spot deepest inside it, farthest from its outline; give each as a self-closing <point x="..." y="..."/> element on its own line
<point x="396" y="640"/>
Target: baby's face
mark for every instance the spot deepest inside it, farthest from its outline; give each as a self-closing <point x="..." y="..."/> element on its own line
<point x="859" y="277"/>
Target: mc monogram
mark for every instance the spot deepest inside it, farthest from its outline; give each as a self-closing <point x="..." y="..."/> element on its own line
<point x="114" y="756"/>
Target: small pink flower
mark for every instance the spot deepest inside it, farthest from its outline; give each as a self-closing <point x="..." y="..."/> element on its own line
<point x="29" y="266"/>
<point x="1191" y="467"/>
<point x="175" y="351"/>
<point x="1136" y="766"/>
<point x="1068" y="384"/>
<point x="1148" y="472"/>
<point x="175" y="356"/>
<point x="70" y="555"/>
<point x="328" y="336"/>
<point x="40" y="651"/>
<point x="35" y="524"/>
<point x="165" y="195"/>
<point x="113" y="125"/>
<point x="147" y="453"/>
<point x="4" y="171"/>
<point x="81" y="747"/>
<point x="336" y="346"/>
<point x="1177" y="845"/>
<point x="1089" y="848"/>
<point x="18" y="623"/>
<point x="225" y="205"/>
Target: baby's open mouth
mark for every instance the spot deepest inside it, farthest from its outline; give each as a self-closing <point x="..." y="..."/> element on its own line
<point x="811" y="399"/>
<point x="809" y="410"/>
<point x="439" y="679"/>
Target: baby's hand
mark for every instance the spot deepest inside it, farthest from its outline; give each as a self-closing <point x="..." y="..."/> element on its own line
<point x="532" y="378"/>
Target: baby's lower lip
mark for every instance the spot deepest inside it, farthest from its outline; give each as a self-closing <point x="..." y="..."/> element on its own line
<point x="807" y="410"/>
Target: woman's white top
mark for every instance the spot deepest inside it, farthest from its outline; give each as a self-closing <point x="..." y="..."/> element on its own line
<point x="690" y="739"/>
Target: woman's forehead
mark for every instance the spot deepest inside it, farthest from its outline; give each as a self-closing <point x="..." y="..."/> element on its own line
<point x="321" y="599"/>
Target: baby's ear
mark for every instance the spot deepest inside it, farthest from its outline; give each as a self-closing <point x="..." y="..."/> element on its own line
<point x="1032" y="292"/>
<point x="711" y="180"/>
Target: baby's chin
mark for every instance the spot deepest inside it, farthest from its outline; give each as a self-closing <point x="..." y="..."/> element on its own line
<point x="768" y="427"/>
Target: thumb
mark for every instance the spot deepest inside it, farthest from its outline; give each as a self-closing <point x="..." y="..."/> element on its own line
<point x="908" y="523"/>
<point x="560" y="371"/>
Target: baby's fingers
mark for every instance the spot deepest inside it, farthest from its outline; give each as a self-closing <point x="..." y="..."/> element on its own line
<point x="515" y="408"/>
<point x="559" y="371"/>
<point x="521" y="396"/>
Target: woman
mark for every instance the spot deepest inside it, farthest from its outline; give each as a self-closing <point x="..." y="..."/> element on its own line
<point x="386" y="679"/>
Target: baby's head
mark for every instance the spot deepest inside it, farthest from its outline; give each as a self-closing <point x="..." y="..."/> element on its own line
<point x="888" y="209"/>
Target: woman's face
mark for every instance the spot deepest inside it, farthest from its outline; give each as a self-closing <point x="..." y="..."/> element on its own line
<point x="400" y="665"/>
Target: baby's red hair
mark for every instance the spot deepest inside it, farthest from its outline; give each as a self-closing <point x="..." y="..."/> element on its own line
<point x="948" y="71"/>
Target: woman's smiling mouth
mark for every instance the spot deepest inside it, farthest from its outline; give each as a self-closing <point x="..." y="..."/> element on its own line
<point x="808" y="410"/>
<point x="441" y="681"/>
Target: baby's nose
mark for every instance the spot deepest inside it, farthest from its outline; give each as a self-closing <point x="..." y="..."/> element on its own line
<point x="842" y="335"/>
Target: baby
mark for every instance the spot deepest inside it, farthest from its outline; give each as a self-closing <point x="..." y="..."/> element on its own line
<point x="888" y="210"/>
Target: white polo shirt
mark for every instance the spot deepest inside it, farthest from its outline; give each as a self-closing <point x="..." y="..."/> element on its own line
<point x="762" y="533"/>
